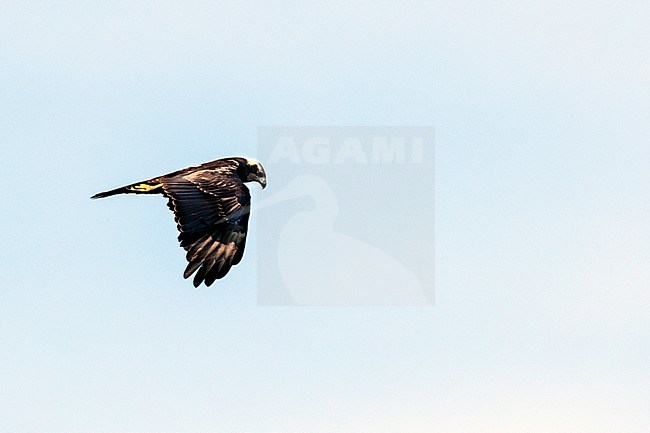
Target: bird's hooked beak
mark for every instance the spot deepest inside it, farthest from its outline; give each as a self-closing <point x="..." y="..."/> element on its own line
<point x="259" y="177"/>
<point x="262" y="181"/>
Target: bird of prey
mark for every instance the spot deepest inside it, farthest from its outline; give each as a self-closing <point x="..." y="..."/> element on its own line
<point x="211" y="206"/>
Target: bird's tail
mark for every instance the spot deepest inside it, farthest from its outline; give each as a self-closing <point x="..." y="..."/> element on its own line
<point x="147" y="187"/>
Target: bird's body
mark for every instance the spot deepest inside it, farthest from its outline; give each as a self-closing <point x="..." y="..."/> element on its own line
<point x="211" y="206"/>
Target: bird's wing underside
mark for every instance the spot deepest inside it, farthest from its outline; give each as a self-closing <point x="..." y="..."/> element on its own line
<point x="211" y="211"/>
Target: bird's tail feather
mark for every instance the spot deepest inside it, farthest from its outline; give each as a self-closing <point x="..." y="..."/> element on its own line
<point x="136" y="188"/>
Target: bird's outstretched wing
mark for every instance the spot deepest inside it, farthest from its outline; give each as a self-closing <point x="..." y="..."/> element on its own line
<point x="211" y="209"/>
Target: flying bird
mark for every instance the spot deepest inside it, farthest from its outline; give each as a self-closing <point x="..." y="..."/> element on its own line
<point x="211" y="205"/>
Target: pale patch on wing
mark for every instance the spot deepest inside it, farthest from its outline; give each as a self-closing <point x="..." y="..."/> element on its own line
<point x="144" y="187"/>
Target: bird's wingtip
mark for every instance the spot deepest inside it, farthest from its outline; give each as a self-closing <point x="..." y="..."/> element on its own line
<point x="100" y="195"/>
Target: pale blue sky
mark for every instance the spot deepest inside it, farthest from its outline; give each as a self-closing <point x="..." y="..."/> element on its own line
<point x="542" y="241"/>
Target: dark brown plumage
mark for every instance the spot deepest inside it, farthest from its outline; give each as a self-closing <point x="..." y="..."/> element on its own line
<point x="211" y="206"/>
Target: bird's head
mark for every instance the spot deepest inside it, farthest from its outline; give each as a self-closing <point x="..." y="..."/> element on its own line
<point x="255" y="172"/>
